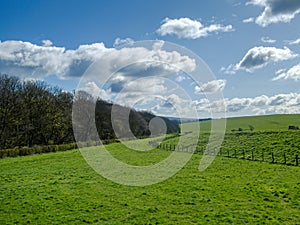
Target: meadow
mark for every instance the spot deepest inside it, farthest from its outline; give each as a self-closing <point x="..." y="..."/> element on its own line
<point x="61" y="188"/>
<point x="259" y="123"/>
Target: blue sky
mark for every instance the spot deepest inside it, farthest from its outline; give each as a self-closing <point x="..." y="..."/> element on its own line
<point x="252" y="47"/>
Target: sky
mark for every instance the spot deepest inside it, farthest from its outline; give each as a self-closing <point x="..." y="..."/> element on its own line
<point x="251" y="48"/>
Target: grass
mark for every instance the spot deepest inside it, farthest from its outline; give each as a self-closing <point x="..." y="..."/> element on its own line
<point x="260" y="123"/>
<point x="261" y="143"/>
<point x="61" y="188"/>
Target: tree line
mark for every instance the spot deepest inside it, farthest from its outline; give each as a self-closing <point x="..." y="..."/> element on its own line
<point x="36" y="113"/>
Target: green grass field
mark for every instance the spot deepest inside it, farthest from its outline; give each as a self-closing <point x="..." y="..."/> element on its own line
<point x="260" y="123"/>
<point x="61" y="188"/>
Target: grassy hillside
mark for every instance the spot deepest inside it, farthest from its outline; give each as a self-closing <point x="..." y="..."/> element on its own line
<point x="260" y="123"/>
<point x="60" y="188"/>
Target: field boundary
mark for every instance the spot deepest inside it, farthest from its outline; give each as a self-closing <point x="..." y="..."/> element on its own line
<point x="265" y="156"/>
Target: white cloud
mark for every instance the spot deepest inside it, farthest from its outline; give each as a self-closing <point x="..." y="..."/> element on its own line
<point x="119" y="42"/>
<point x="276" y="104"/>
<point x="294" y="42"/>
<point x="291" y="74"/>
<point x="280" y="103"/>
<point x="248" y="20"/>
<point x="180" y="78"/>
<point x="47" y="43"/>
<point x="145" y="86"/>
<point x="276" y="11"/>
<point x="191" y="29"/>
<point x="175" y="105"/>
<point x="267" y="40"/>
<point x="211" y="87"/>
<point x="25" y="59"/>
<point x="93" y="89"/>
<point x="258" y="57"/>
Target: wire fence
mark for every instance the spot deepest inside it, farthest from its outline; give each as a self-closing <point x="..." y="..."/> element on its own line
<point x="263" y="155"/>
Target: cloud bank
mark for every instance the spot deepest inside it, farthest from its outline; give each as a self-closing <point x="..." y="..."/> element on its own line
<point x="260" y="105"/>
<point x="190" y="29"/>
<point x="28" y="60"/>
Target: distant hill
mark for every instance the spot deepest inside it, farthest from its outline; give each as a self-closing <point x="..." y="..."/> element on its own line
<point x="279" y="122"/>
<point x="264" y="123"/>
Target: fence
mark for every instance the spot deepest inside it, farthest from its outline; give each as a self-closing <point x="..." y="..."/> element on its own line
<point x="263" y="156"/>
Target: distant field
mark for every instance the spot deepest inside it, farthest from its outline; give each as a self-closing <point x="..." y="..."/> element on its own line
<point x="259" y="123"/>
<point x="60" y="188"/>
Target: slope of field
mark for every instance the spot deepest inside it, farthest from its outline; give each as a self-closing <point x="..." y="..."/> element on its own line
<point x="61" y="188"/>
<point x="259" y="123"/>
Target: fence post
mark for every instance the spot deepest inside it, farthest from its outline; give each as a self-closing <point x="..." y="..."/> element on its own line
<point x="284" y="158"/>
<point x="273" y="158"/>
<point x="228" y="153"/>
<point x="297" y="159"/>
<point x="243" y="154"/>
<point x="234" y="153"/>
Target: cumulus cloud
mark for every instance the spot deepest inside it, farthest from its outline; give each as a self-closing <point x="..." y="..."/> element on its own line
<point x="291" y="74"/>
<point x="259" y="57"/>
<point x="175" y="105"/>
<point x="211" y="87"/>
<point x="267" y="40"/>
<point x="191" y="29"/>
<point x="26" y="59"/>
<point x="93" y="89"/>
<point x="276" y="11"/>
